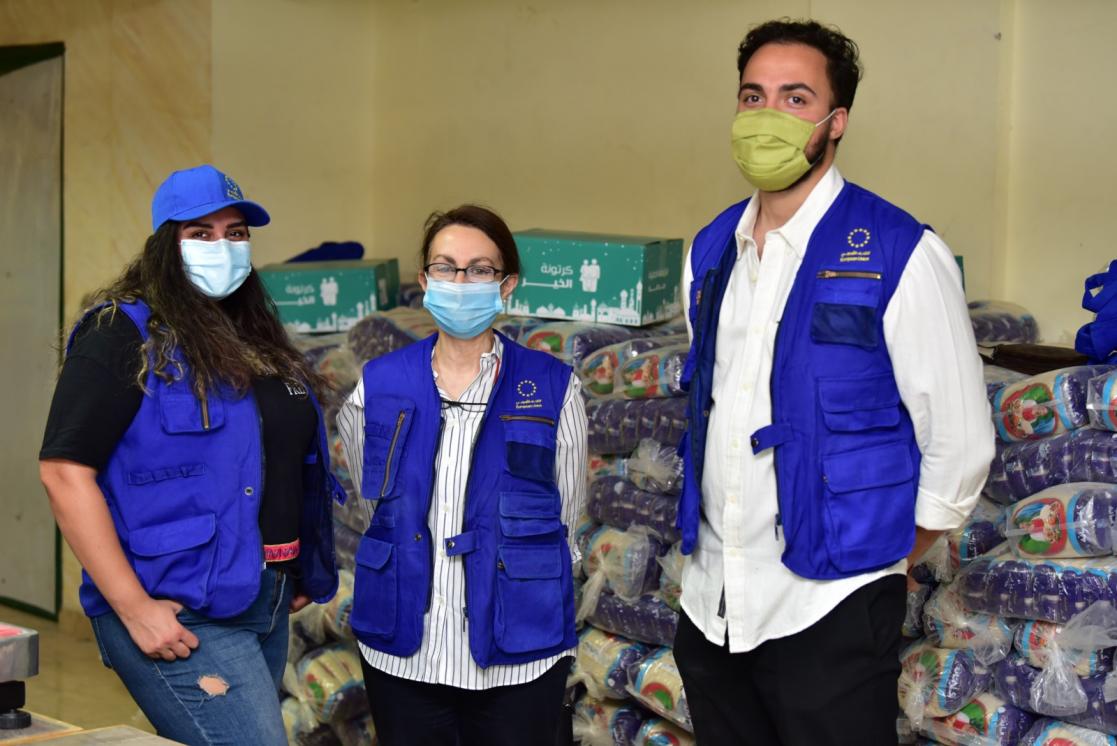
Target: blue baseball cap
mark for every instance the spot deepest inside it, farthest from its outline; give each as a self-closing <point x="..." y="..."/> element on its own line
<point x="199" y="191"/>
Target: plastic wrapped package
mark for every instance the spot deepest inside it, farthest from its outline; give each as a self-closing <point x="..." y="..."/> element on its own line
<point x="948" y="624"/>
<point x="619" y="503"/>
<point x="996" y="322"/>
<point x="516" y="327"/>
<point x="605" y="466"/>
<point x="656" y="373"/>
<point x="599" y="722"/>
<point x="574" y="341"/>
<point x="600" y="371"/>
<point x="1068" y="520"/>
<point x="1101" y="401"/>
<point x="1033" y="639"/>
<point x="982" y="530"/>
<point x="655" y="682"/>
<point x="603" y="663"/>
<point x="410" y="295"/>
<point x="1022" y="469"/>
<point x="996" y="378"/>
<point x="346" y="541"/>
<point x="655" y="467"/>
<point x="1045" y="404"/>
<point x="309" y="625"/>
<point x="1019" y="683"/>
<point x="671" y="576"/>
<point x="661" y="732"/>
<point x="936" y="682"/>
<point x="331" y="682"/>
<point x="335" y="612"/>
<point x="357" y="732"/>
<point x="986" y="720"/>
<point x="626" y="558"/>
<point x="913" y="614"/>
<point x="1056" y="733"/>
<point x="648" y="620"/>
<point x="298" y="719"/>
<point x="1052" y="590"/>
<point x="385" y="331"/>
<point x="618" y="425"/>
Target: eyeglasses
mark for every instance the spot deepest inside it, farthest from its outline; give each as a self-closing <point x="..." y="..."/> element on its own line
<point x="449" y="273"/>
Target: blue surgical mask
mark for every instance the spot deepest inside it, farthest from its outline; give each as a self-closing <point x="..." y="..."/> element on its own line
<point x="217" y="268"/>
<point x="463" y="309"/>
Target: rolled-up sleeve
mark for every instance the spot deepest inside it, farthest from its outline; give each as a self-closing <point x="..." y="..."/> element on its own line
<point x="930" y="339"/>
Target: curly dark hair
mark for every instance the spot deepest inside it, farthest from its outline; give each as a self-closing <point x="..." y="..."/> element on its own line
<point x="225" y="342"/>
<point x="843" y="67"/>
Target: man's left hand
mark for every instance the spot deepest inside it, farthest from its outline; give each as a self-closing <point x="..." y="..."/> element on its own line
<point x="924" y="538"/>
<point x="299" y="601"/>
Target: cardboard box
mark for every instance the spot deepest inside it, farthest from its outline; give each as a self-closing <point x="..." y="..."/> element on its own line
<point x="629" y="280"/>
<point x="331" y="296"/>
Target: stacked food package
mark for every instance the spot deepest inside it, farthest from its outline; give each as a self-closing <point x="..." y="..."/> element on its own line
<point x="1015" y="622"/>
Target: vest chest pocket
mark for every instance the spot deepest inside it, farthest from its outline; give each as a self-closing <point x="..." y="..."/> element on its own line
<point x="845" y="309"/>
<point x="529" y="601"/>
<point x="375" y="588"/>
<point x="185" y="413"/>
<point x="530" y="446"/>
<point x="528" y="514"/>
<point x="860" y="403"/>
<point x="870" y="505"/>
<point x="387" y="423"/>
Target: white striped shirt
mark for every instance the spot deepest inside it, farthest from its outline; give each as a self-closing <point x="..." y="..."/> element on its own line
<point x="444" y="657"/>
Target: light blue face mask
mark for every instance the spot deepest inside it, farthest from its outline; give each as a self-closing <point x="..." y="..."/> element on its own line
<point x="217" y="268"/>
<point x="463" y="309"/>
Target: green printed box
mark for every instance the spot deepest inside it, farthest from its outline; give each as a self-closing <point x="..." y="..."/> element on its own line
<point x="629" y="280"/>
<point x="331" y="296"/>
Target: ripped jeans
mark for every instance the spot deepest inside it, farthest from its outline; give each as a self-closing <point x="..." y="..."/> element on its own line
<point x="226" y="692"/>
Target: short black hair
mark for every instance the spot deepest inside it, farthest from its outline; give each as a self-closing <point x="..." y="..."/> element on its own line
<point x="484" y="220"/>
<point x="843" y="68"/>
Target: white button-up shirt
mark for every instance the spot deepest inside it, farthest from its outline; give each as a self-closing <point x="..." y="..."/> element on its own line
<point x="930" y="340"/>
<point x="444" y="656"/>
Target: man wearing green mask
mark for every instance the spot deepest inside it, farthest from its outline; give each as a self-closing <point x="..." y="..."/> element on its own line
<point x="837" y="418"/>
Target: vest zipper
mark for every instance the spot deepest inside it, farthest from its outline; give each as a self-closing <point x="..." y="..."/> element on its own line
<point x="832" y="274"/>
<point x="391" y="453"/>
<point x="526" y="418"/>
<point x="205" y="412"/>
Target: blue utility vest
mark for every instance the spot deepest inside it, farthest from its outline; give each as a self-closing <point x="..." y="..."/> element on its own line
<point x="846" y="458"/>
<point x="519" y="588"/>
<point x="183" y="488"/>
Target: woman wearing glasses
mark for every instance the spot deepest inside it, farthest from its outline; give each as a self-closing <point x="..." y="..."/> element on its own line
<point x="474" y="449"/>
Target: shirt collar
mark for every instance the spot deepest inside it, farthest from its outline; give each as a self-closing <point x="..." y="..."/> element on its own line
<point x="796" y="231"/>
<point x="488" y="359"/>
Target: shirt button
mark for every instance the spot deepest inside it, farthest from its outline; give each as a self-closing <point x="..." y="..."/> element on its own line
<point x="736" y="444"/>
<point x="249" y="491"/>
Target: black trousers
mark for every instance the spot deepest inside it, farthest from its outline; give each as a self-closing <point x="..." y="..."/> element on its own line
<point x="833" y="684"/>
<point x="413" y="713"/>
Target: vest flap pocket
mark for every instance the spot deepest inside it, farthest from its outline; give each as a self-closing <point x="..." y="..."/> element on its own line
<point x="373" y="553"/>
<point x="860" y="403"/>
<point x="185" y="413"/>
<point x="531" y="562"/>
<point x="387" y="423"/>
<point x="868" y="468"/>
<point x="530" y="446"/>
<point x="175" y="536"/>
<point x="528" y="514"/>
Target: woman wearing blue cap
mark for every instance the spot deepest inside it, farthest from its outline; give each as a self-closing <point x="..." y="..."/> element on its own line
<point x="187" y="467"/>
<point x="475" y="450"/>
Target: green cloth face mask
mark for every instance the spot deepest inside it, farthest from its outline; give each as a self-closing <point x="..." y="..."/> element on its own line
<point x="769" y="146"/>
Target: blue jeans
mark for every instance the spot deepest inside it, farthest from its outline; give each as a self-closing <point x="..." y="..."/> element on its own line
<point x="247" y="653"/>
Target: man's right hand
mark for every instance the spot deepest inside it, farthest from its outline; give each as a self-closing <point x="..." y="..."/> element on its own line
<point x="154" y="627"/>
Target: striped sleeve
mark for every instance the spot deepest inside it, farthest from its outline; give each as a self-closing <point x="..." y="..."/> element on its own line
<point x="571" y="460"/>
<point x="349" y="426"/>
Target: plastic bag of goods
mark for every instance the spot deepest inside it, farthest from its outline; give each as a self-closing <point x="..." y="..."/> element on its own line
<point x="603" y="662"/>
<point x="936" y="682"/>
<point x="949" y="625"/>
<point x="986" y="720"/>
<point x="671" y="576"/>
<point x="1019" y="684"/>
<point x="996" y="378"/>
<point x="648" y="620"/>
<point x="1101" y="401"/>
<point x="1056" y="733"/>
<point x="999" y="322"/>
<point x="1033" y="641"/>
<point x="655" y="682"/>
<point x="618" y="425"/>
<point x="601" y="370"/>
<point x="1045" y="404"/>
<point x="357" y="732"/>
<point x="600" y="722"/>
<point x="626" y="558"/>
<point x="660" y="732"/>
<point x="655" y="374"/>
<point x="1069" y="520"/>
<point x="1021" y="470"/>
<point x="654" y="467"/>
<point x="331" y="682"/>
<point x="335" y="612"/>
<point x="619" y="503"/>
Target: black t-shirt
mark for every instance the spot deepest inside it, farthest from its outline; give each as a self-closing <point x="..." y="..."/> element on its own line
<point x="97" y="398"/>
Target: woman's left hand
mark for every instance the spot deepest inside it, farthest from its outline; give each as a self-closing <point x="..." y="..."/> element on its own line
<point x="299" y="601"/>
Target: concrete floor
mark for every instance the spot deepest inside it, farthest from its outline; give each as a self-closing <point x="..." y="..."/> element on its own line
<point x="73" y="685"/>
